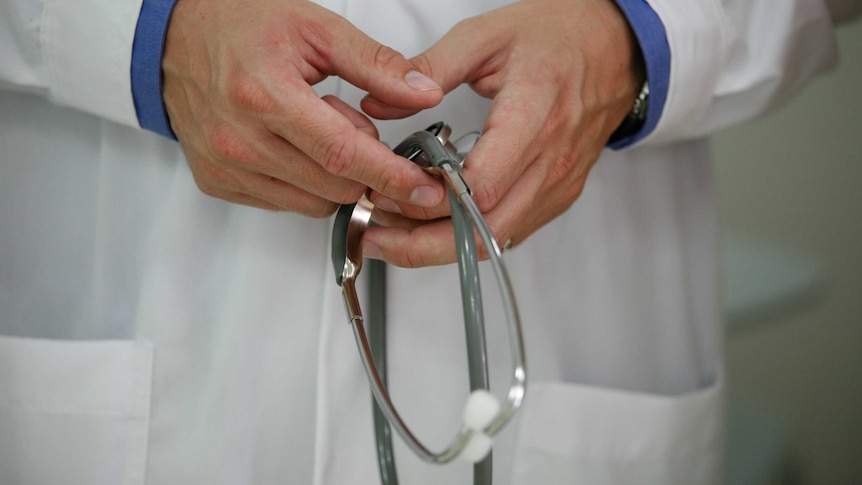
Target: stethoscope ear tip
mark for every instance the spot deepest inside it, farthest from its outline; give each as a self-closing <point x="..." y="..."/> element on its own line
<point x="477" y="448"/>
<point x="480" y="411"/>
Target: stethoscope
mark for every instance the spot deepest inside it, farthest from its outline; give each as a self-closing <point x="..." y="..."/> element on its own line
<point x="484" y="415"/>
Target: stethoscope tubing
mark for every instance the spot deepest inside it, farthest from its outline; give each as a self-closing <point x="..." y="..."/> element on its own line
<point x="435" y="153"/>
<point x="474" y="319"/>
<point x="474" y="328"/>
<point x="517" y="386"/>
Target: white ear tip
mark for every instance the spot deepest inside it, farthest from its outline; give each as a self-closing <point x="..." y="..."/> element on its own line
<point x="481" y="409"/>
<point x="477" y="448"/>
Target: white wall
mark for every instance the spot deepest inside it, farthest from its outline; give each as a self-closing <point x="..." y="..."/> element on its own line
<point x="795" y="178"/>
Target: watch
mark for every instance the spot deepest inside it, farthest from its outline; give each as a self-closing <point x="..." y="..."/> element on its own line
<point x="636" y="117"/>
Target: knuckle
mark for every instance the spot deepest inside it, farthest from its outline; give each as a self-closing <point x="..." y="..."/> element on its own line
<point x="227" y="144"/>
<point x="249" y="94"/>
<point x="423" y="64"/>
<point x="564" y="167"/>
<point x="487" y="195"/>
<point x="391" y="184"/>
<point x="412" y="258"/>
<point x="205" y="184"/>
<point x="213" y="179"/>
<point x="569" y="172"/>
<point x="320" y="32"/>
<point x="575" y="190"/>
<point x="205" y="187"/>
<point x="384" y="56"/>
<point x="209" y="175"/>
<point x="335" y="153"/>
<point x="350" y="194"/>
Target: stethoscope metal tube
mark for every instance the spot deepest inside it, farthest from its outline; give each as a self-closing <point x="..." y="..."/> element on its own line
<point x="432" y="150"/>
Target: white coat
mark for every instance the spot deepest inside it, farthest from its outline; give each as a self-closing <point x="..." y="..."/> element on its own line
<point x="152" y="335"/>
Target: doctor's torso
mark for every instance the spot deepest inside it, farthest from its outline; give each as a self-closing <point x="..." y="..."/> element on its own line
<point x="152" y="334"/>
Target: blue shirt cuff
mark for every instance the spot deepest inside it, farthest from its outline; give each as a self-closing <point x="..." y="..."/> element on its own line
<point x="146" y="69"/>
<point x="652" y="37"/>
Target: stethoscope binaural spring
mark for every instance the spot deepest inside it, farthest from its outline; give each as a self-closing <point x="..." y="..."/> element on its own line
<point x="484" y="415"/>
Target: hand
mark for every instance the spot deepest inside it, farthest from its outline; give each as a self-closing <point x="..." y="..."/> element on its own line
<point x="237" y="86"/>
<point x="562" y="74"/>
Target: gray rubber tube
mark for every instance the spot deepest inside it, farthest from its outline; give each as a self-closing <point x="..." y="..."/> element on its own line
<point x="477" y="356"/>
<point x="377" y="339"/>
<point x="474" y="327"/>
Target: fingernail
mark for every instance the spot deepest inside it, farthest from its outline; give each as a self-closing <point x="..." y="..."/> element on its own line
<point x="420" y="82"/>
<point x="370" y="250"/>
<point x="424" y="196"/>
<point x="387" y="204"/>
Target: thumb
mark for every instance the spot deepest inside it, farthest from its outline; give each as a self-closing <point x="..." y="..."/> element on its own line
<point x="454" y="60"/>
<point x="381" y="71"/>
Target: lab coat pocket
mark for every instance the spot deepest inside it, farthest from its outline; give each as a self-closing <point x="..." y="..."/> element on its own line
<point x="74" y="412"/>
<point x="574" y="434"/>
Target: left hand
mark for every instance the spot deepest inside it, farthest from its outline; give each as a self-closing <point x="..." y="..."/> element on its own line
<point x="562" y="75"/>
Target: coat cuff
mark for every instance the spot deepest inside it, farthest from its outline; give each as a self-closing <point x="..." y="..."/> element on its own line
<point x="87" y="46"/>
<point x="650" y="33"/>
<point x="146" y="71"/>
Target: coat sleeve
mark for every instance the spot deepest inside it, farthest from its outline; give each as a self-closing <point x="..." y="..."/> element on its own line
<point x="731" y="60"/>
<point x="76" y="53"/>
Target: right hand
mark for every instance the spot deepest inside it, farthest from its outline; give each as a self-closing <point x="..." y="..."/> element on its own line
<point x="237" y="87"/>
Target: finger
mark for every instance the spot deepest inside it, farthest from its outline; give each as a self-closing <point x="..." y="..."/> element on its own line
<point x="391" y="219"/>
<point x="412" y="244"/>
<point x="257" y="190"/>
<point x="373" y="67"/>
<point x="234" y="148"/>
<point x="359" y="121"/>
<point x="309" y="176"/>
<point x="331" y="140"/>
<point x="465" y="54"/>
<point x="286" y="196"/>
<point x="469" y="51"/>
<point x="534" y="200"/>
<point x="289" y="164"/>
<point x="244" y="199"/>
<point x="382" y="111"/>
<point x="512" y="139"/>
<point x="525" y="208"/>
<point x="429" y="244"/>
<point x="411" y="211"/>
